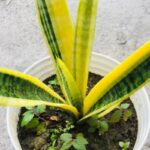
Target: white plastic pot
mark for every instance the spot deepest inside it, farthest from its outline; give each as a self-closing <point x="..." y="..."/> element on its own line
<point x="100" y="64"/>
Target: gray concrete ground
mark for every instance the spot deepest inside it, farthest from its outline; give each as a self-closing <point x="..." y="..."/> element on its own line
<point x="122" y="26"/>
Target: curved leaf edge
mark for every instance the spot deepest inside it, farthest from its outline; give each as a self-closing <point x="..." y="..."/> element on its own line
<point x="69" y="86"/>
<point x="110" y="107"/>
<point x="117" y="74"/>
<point x="35" y="81"/>
<point x="17" y="102"/>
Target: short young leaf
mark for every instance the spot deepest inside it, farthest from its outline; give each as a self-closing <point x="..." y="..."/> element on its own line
<point x="81" y="138"/>
<point x="54" y="82"/>
<point x="66" y="137"/>
<point x="66" y="146"/>
<point x="127" y="115"/>
<point x="92" y="122"/>
<point x="80" y="142"/>
<point x="116" y="116"/>
<point x="78" y="145"/>
<point x="124" y="145"/>
<point x="27" y="117"/>
<point x="124" y="106"/>
<point x="103" y="127"/>
<point x="40" y="109"/>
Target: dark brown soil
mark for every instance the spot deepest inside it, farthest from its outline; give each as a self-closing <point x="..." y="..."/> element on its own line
<point x="121" y="131"/>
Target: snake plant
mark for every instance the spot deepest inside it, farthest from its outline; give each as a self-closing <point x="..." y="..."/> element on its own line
<point x="70" y="48"/>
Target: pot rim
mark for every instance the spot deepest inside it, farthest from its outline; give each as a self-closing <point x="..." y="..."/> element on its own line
<point x="143" y="90"/>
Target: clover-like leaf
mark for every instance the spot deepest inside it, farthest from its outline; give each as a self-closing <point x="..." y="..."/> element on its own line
<point x="80" y="142"/>
<point x="66" y="137"/>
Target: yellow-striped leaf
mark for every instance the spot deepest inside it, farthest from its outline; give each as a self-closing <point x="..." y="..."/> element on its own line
<point x="57" y="28"/>
<point x="58" y="31"/>
<point x="83" y="42"/>
<point x="120" y="83"/>
<point x="69" y="86"/>
<point x="17" y="102"/>
<point x="19" y="85"/>
<point x="102" y="110"/>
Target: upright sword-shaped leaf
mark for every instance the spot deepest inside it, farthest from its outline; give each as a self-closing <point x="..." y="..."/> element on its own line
<point x="70" y="88"/>
<point x="58" y="31"/>
<point x="57" y="28"/>
<point x="84" y="36"/>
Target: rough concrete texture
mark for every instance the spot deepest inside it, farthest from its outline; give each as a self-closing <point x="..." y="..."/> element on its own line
<point x="122" y="26"/>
